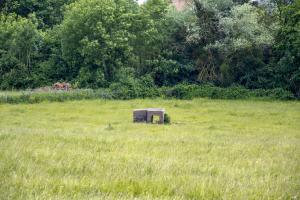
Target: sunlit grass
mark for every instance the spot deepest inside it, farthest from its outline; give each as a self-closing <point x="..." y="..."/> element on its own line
<point x="213" y="149"/>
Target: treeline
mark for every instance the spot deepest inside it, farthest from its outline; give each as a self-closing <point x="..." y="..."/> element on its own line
<point x="117" y="43"/>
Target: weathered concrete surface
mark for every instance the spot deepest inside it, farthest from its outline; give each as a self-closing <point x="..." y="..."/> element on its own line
<point x="140" y="115"/>
<point x="146" y="115"/>
<point x="155" y="112"/>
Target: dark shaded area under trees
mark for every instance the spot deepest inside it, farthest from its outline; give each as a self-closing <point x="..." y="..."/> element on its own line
<point x="119" y="44"/>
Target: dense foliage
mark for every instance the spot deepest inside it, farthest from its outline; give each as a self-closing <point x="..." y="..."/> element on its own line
<point x="127" y="92"/>
<point x="119" y="44"/>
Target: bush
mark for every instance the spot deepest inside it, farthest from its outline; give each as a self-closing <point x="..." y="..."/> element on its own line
<point x="129" y="87"/>
<point x="167" y="119"/>
<point x="181" y="91"/>
<point x="90" y="79"/>
<point x="185" y="91"/>
<point x="142" y="89"/>
<point x="277" y="93"/>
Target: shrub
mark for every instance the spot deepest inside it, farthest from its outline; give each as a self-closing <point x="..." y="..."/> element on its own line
<point x="185" y="91"/>
<point x="167" y="119"/>
<point x="181" y="91"/>
<point x="142" y="89"/>
<point x="130" y="87"/>
<point x="280" y="93"/>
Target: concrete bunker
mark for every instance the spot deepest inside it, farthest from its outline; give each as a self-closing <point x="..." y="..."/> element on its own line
<point x="147" y="115"/>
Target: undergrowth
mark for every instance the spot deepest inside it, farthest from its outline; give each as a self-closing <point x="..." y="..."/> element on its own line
<point x="125" y="92"/>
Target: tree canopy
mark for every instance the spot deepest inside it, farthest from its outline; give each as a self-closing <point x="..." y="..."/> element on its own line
<point x="93" y="43"/>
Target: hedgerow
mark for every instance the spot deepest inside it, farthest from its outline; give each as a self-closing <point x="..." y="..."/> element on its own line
<point x="132" y="91"/>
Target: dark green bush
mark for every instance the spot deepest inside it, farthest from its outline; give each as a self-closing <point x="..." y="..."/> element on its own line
<point x="181" y="91"/>
<point x="279" y="93"/>
<point x="129" y="87"/>
<point x="142" y="89"/>
<point x="167" y="119"/>
<point x="185" y="91"/>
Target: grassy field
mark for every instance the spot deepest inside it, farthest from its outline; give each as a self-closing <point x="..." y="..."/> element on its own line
<point x="214" y="149"/>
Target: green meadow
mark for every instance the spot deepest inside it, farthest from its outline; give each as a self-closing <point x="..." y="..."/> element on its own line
<point x="213" y="149"/>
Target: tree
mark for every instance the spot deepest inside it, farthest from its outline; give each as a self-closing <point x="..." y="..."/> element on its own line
<point x="19" y="44"/>
<point x="96" y="37"/>
<point x="151" y="31"/>
<point x="217" y="5"/>
<point x="158" y="43"/>
<point x="246" y="41"/>
<point x="243" y="29"/>
<point x="52" y="66"/>
<point x="48" y="12"/>
<point x="287" y="66"/>
<point x="202" y="30"/>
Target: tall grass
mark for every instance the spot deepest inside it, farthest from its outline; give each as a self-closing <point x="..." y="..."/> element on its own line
<point x="53" y="96"/>
<point x="213" y="149"/>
